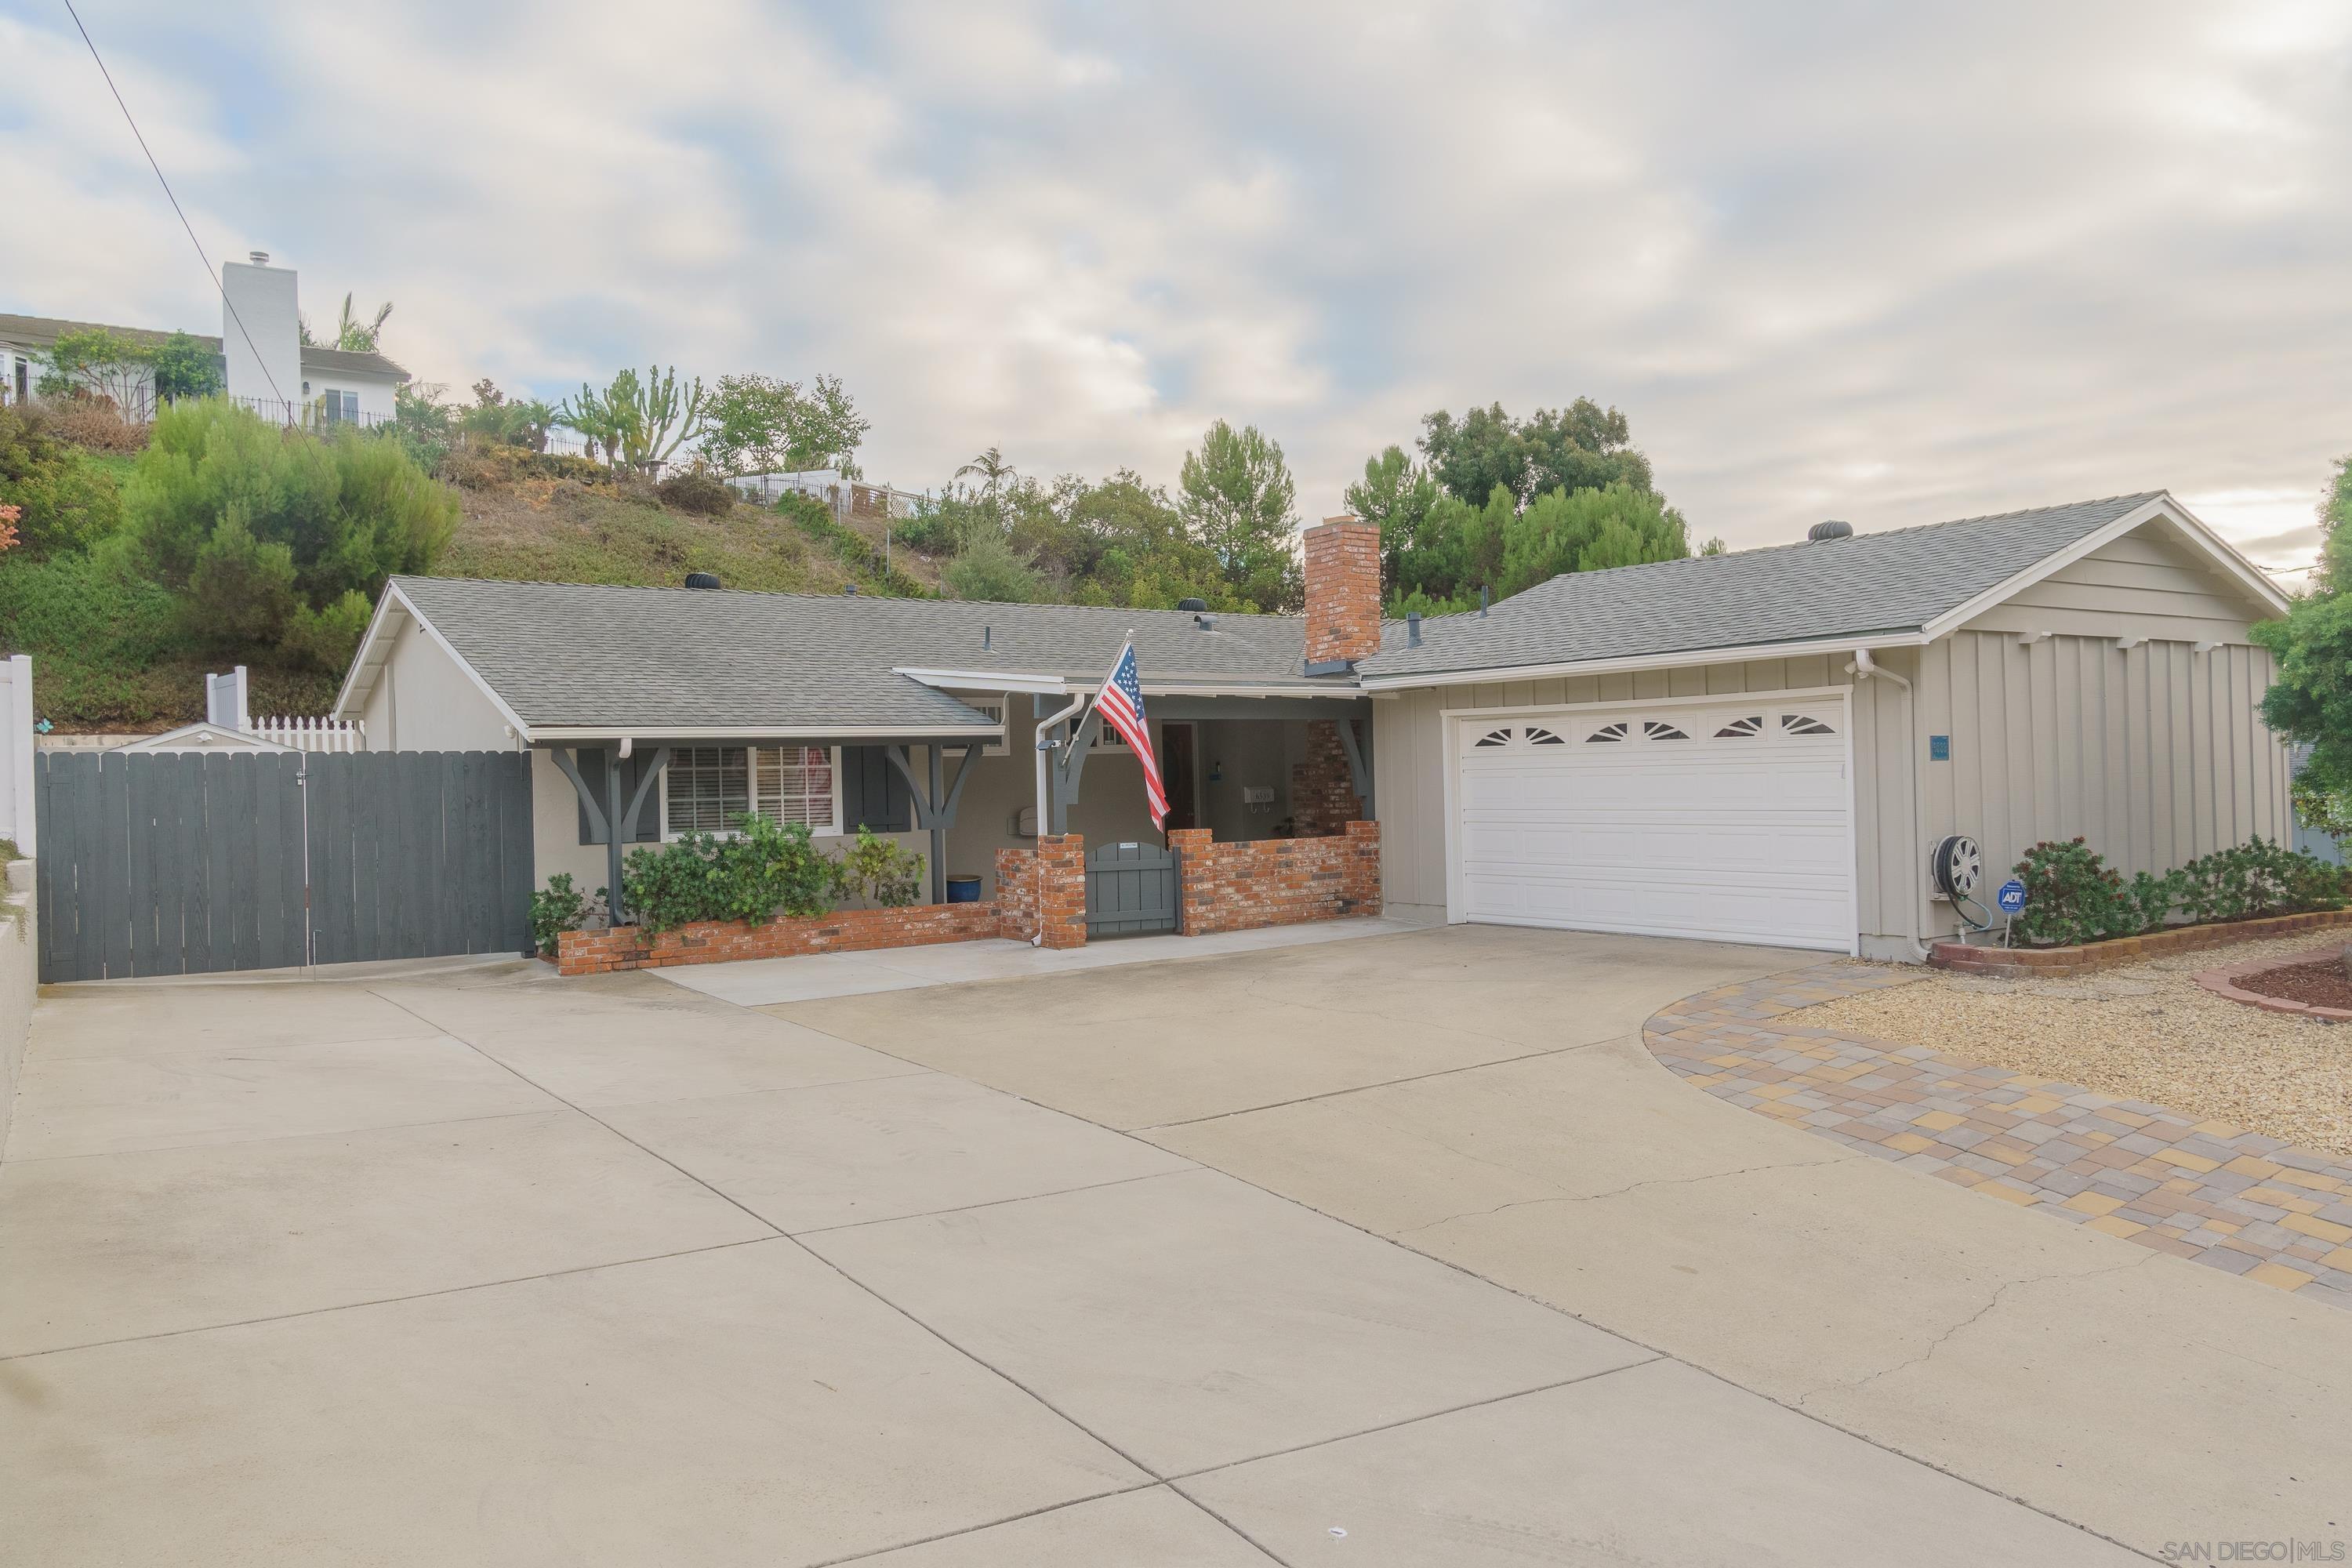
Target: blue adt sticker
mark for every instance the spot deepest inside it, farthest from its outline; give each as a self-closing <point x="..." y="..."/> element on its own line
<point x="2012" y="897"/>
<point x="1940" y="748"/>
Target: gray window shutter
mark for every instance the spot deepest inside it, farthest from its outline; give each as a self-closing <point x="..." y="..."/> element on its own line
<point x="592" y="773"/>
<point x="873" y="793"/>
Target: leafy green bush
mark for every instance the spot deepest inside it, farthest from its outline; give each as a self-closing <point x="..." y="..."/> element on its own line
<point x="882" y="871"/>
<point x="249" y="524"/>
<point x="762" y="871"/>
<point x="2259" y="878"/>
<point x="69" y="502"/>
<point x="556" y="909"/>
<point x="2072" y="896"/>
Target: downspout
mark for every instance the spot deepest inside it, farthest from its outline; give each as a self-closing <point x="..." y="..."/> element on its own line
<point x="1863" y="667"/>
<point x="1046" y="785"/>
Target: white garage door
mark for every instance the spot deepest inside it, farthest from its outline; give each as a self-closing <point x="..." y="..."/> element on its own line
<point x="1727" y="822"/>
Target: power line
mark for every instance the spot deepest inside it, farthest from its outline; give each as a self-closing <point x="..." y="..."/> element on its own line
<point x="209" y="270"/>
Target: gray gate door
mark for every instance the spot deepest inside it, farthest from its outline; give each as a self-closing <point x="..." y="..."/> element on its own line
<point x="1131" y="890"/>
<point x="186" y="864"/>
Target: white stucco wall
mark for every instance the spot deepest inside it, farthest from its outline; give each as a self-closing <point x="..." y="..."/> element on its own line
<point x="424" y="700"/>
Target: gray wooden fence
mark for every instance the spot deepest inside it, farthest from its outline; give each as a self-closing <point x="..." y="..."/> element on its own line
<point x="187" y="864"/>
<point x="1131" y="890"/>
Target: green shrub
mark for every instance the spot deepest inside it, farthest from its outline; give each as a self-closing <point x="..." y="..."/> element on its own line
<point x="2071" y="896"/>
<point x="2259" y="878"/>
<point x="69" y="502"/>
<point x="761" y="871"/>
<point x="698" y="492"/>
<point x="247" y="523"/>
<point x="556" y="909"/>
<point x="882" y="871"/>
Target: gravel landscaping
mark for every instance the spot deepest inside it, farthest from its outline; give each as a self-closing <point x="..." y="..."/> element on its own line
<point x="2145" y="1031"/>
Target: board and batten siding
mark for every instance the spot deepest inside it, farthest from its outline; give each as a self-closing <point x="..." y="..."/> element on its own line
<point x="2154" y="753"/>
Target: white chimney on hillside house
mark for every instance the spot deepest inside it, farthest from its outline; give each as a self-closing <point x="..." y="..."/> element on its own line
<point x="261" y="335"/>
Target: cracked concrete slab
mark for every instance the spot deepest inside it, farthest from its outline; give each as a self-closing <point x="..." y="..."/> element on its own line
<point x="1658" y="1464"/>
<point x="2151" y="1399"/>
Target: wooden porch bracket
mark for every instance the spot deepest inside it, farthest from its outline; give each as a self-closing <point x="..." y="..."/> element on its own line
<point x="1359" y="772"/>
<point x="935" y="808"/>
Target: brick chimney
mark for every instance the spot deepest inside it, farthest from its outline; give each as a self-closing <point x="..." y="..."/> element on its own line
<point x="1343" y="589"/>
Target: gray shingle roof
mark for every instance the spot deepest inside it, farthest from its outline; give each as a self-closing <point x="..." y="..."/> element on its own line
<point x="40" y="332"/>
<point x="1872" y="583"/>
<point x="575" y="655"/>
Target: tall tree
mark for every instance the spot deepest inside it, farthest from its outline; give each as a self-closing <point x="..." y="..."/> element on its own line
<point x="1580" y="446"/>
<point x="1588" y="530"/>
<point x="759" y="425"/>
<point x="2310" y="699"/>
<point x="1396" y="493"/>
<point x="1236" y="496"/>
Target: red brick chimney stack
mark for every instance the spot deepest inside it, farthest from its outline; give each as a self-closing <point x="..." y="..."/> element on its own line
<point x="1343" y="589"/>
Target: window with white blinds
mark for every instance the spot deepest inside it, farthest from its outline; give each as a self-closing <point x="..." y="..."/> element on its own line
<point x="710" y="789"/>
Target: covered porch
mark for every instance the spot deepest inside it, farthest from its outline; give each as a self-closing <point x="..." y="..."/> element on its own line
<point x="1280" y="771"/>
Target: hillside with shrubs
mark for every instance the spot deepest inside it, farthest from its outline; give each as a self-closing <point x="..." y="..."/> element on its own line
<point x="147" y="554"/>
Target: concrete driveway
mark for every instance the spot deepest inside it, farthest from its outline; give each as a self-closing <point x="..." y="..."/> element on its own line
<point x="495" y="1268"/>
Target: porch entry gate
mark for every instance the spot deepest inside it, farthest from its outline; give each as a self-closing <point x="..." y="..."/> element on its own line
<point x="181" y="863"/>
<point x="1131" y="890"/>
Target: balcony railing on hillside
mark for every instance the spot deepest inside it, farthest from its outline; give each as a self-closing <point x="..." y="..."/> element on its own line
<point x="316" y="414"/>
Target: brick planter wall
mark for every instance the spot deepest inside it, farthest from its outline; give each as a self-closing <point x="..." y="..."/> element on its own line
<point x="1016" y="893"/>
<point x="2056" y="963"/>
<point x="1277" y="881"/>
<point x="786" y="936"/>
<point x="1061" y="896"/>
<point x="1323" y="798"/>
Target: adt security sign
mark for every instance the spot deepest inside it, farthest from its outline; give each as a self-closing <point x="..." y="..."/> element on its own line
<point x="2012" y="897"/>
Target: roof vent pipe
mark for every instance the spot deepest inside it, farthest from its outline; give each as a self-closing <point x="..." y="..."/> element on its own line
<point x="987" y="638"/>
<point x="850" y="590"/>
<point x="1482" y="589"/>
<point x="1820" y="532"/>
<point x="1413" y="629"/>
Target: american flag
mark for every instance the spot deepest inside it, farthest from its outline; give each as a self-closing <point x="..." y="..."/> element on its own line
<point x="1120" y="703"/>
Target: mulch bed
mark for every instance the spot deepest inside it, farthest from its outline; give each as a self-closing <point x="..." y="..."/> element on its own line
<point x="2320" y="984"/>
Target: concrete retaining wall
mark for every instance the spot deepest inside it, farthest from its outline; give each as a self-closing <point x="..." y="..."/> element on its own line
<point x="19" y="957"/>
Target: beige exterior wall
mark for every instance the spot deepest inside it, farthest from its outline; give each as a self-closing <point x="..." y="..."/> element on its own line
<point x="423" y="701"/>
<point x="2156" y="755"/>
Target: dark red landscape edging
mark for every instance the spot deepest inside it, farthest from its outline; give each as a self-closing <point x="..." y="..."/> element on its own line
<point x="2056" y="963"/>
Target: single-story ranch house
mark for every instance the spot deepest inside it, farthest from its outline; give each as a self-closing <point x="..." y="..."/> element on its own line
<point x="1754" y="747"/>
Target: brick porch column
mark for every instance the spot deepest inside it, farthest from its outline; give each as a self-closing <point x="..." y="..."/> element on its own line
<point x="1195" y="877"/>
<point x="1062" y="889"/>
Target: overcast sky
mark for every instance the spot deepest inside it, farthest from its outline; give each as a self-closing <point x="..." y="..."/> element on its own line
<point x="1892" y="263"/>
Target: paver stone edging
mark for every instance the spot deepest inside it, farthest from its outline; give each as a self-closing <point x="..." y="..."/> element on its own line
<point x="2204" y="1191"/>
<point x="2058" y="963"/>
<point x="2223" y="982"/>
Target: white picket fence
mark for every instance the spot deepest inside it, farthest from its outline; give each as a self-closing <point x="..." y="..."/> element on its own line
<point x="312" y="734"/>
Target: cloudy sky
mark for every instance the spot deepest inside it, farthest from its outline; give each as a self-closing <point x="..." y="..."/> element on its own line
<point x="1887" y="262"/>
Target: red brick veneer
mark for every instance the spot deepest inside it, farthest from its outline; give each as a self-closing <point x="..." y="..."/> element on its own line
<point x="1323" y="798"/>
<point x="1277" y="881"/>
<point x="1343" y="589"/>
<point x="2055" y="962"/>
<point x="786" y="936"/>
